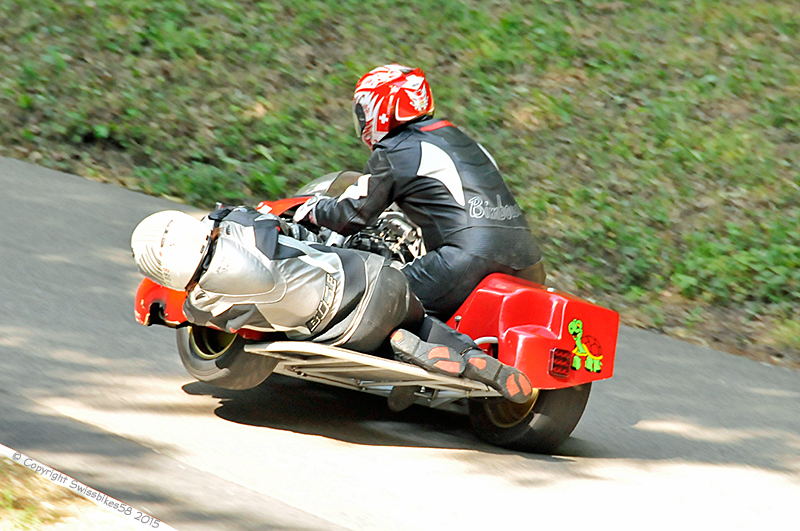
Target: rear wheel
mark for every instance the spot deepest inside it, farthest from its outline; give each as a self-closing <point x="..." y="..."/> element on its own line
<point x="540" y="426"/>
<point x="218" y="358"/>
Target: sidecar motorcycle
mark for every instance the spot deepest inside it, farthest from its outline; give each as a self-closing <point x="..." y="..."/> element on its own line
<point x="561" y="342"/>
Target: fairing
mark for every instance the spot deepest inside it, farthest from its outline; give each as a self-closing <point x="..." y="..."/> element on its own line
<point x="169" y="303"/>
<point x="556" y="339"/>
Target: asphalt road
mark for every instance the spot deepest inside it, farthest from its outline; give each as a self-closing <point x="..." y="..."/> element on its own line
<point x="680" y="436"/>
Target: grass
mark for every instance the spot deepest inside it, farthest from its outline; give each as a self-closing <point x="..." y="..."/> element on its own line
<point x="27" y="501"/>
<point x="654" y="145"/>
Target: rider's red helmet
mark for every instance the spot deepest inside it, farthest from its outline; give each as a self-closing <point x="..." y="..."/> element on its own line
<point x="387" y="97"/>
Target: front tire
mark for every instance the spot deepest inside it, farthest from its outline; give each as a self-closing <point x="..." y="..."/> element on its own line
<point x="538" y="426"/>
<point x="218" y="358"/>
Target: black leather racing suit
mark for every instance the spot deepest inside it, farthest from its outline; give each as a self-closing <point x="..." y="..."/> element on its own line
<point x="448" y="185"/>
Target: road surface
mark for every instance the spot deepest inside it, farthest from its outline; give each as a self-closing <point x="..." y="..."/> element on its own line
<point x="680" y="436"/>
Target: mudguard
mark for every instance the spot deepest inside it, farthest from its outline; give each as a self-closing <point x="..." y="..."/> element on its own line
<point x="558" y="340"/>
<point x="153" y="297"/>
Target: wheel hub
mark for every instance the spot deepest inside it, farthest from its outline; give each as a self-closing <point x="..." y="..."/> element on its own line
<point x="507" y="414"/>
<point x="210" y="344"/>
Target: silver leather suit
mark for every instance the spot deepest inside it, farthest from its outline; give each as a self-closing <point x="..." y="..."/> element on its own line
<point x="257" y="278"/>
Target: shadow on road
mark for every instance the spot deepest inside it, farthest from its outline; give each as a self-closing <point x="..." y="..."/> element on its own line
<point x="688" y="404"/>
<point x="305" y="407"/>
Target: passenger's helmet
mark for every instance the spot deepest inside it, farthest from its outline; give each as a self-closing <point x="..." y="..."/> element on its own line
<point x="387" y="97"/>
<point x="168" y="247"/>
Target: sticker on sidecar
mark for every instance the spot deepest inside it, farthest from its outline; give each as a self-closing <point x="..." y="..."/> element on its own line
<point x="587" y="352"/>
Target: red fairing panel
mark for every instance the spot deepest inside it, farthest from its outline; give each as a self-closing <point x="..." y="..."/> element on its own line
<point x="557" y="340"/>
<point x="282" y="205"/>
<point x="170" y="300"/>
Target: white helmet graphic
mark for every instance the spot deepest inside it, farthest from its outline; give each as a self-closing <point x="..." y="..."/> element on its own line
<point x="168" y="247"/>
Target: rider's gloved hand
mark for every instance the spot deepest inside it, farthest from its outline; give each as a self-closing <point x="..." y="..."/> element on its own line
<point x="305" y="212"/>
<point x="298" y="232"/>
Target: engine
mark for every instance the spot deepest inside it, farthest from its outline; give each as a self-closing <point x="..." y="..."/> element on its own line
<point x="392" y="236"/>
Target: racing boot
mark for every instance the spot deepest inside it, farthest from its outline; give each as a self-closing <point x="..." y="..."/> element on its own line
<point x="509" y="381"/>
<point x="433" y="357"/>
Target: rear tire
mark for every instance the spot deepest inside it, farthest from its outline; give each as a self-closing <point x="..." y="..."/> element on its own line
<point x="218" y="358"/>
<point x="538" y="426"/>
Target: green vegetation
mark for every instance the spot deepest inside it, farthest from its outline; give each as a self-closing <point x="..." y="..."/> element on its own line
<point x="654" y="144"/>
<point x="27" y="501"/>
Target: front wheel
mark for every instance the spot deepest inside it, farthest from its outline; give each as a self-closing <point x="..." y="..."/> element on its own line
<point x="539" y="426"/>
<point x="218" y="358"/>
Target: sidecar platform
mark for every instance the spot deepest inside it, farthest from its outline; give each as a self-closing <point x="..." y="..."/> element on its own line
<point x="371" y="374"/>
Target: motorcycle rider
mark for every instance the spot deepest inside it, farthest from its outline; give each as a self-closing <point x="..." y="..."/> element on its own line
<point x="243" y="270"/>
<point x="445" y="182"/>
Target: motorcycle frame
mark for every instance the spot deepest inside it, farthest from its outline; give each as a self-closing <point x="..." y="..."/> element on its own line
<point x="523" y="324"/>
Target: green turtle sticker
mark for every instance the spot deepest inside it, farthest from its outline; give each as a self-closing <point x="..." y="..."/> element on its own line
<point x="587" y="351"/>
